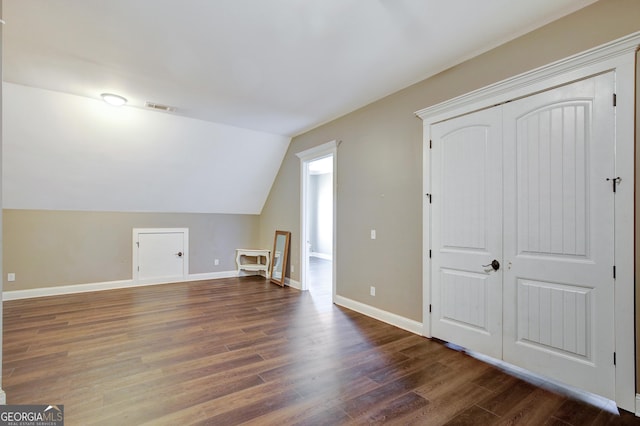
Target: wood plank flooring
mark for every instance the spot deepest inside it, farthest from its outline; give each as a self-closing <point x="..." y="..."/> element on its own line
<point x="244" y="351"/>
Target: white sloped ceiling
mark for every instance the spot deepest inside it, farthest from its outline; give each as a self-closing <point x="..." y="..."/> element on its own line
<point x="66" y="152"/>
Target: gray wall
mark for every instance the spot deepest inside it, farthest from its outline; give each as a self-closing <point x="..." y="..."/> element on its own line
<point x="54" y="248"/>
<point x="379" y="163"/>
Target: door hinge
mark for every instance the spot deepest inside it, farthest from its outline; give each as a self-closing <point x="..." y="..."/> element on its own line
<point x="614" y="358"/>
<point x="614" y="272"/>
<point x="614" y="181"/>
<point x="138" y="269"/>
<point x="138" y="244"/>
<point x="430" y="144"/>
<point x="429" y="254"/>
<point x="615" y="100"/>
<point x="429" y="307"/>
<point x="429" y="195"/>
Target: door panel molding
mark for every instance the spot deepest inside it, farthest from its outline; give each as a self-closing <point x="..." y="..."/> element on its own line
<point x="618" y="57"/>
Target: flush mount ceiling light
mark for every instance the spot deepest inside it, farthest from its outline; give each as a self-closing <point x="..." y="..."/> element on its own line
<point x="115" y="100"/>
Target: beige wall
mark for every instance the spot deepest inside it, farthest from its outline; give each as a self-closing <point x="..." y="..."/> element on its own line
<point x="379" y="171"/>
<point x="55" y="248"/>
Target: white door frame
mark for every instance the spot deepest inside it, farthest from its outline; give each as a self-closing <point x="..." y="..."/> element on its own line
<point x="307" y="156"/>
<point x="137" y="231"/>
<point x="618" y="56"/>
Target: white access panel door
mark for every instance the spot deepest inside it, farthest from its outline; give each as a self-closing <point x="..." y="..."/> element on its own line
<point x="466" y="214"/>
<point x="161" y="254"/>
<point x="559" y="234"/>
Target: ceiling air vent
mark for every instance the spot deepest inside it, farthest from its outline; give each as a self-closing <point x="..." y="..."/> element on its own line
<point x="159" y="107"/>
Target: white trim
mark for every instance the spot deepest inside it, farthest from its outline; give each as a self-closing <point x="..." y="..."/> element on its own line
<point x="3" y="397"/>
<point x="580" y="65"/>
<point x="637" y="410"/>
<point x="306" y="156"/>
<point x="316" y="152"/>
<point x="624" y="233"/>
<point x="292" y="283"/>
<point x="426" y="234"/>
<point x="185" y="245"/>
<point x="107" y="285"/>
<point x="617" y="56"/>
<point x="384" y="316"/>
<point x="67" y="289"/>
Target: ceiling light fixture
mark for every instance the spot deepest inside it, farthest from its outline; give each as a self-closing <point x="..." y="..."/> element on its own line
<point x="115" y="100"/>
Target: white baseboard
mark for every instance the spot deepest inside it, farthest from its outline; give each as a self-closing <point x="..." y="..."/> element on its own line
<point x="108" y="285"/>
<point x="292" y="283"/>
<point x="637" y="413"/>
<point x="379" y="314"/>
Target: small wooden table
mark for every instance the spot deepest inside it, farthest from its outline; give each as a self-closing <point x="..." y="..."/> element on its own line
<point x="254" y="260"/>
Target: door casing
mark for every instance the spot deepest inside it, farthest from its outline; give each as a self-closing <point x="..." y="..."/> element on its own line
<point x="307" y="156"/>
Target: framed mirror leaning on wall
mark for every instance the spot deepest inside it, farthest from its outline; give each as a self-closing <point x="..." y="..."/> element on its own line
<point x="280" y="254"/>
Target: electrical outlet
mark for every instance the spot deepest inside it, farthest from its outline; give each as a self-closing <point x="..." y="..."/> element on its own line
<point x="372" y="291"/>
<point x="11" y="276"/>
<point x="373" y="234"/>
<point x="216" y="262"/>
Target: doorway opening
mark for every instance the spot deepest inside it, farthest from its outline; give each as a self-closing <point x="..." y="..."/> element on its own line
<point x="318" y="208"/>
<point x="320" y="226"/>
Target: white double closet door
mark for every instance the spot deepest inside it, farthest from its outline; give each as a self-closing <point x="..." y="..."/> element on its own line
<point x="525" y="184"/>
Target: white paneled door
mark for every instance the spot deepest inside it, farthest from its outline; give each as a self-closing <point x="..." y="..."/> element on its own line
<point x="467" y="231"/>
<point x="529" y="184"/>
<point x="559" y="234"/>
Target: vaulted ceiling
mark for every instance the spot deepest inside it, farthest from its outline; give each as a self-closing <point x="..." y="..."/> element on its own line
<point x="276" y="66"/>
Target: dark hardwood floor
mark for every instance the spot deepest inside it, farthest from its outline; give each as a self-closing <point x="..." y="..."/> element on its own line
<point x="243" y="350"/>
